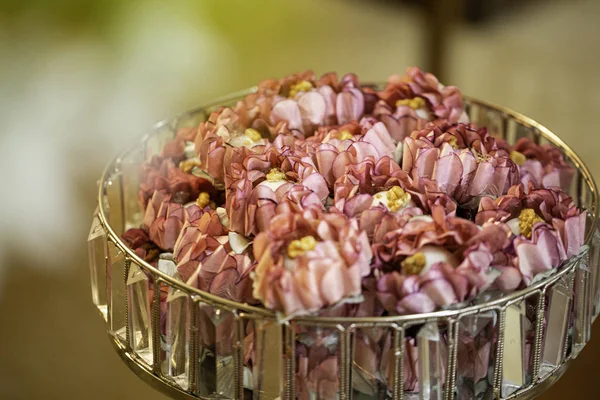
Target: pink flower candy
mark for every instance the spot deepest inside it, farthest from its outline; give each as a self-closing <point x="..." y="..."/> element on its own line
<point x="409" y="102"/>
<point x="262" y="181"/>
<point x="310" y="260"/>
<point x="544" y="165"/>
<point x="466" y="163"/>
<point x="164" y="219"/>
<point x="436" y="262"/>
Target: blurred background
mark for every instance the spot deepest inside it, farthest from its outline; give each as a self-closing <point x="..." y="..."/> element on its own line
<point x="80" y="80"/>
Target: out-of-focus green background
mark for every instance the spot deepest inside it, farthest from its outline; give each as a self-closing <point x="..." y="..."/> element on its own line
<point x="80" y="79"/>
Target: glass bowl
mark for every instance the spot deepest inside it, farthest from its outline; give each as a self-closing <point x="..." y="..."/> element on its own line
<point x="190" y="344"/>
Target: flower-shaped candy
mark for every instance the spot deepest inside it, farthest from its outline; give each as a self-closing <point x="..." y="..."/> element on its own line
<point x="165" y="218"/>
<point x="304" y="103"/>
<point x="262" y="181"/>
<point x="218" y="136"/>
<point x="466" y="163"/>
<point x="544" y="165"/>
<point x="436" y="262"/>
<point x="409" y="102"/>
<point x="310" y="260"/>
<point x="162" y="174"/>
<point x="548" y="225"/>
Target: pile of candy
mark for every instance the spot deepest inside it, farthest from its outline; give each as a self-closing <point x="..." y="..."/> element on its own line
<point x="325" y="196"/>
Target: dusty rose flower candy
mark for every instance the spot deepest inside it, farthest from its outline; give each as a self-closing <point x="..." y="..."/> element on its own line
<point x="218" y="136"/>
<point x="309" y="260"/>
<point x="140" y="243"/>
<point x="262" y="181"/>
<point x="465" y="162"/>
<point x="544" y="165"/>
<point x="409" y="102"/>
<point x="304" y="103"/>
<point x="548" y="225"/>
<point x="162" y="174"/>
<point x="199" y="238"/>
<point x="436" y="262"/>
<point x="347" y="145"/>
<point x="386" y="186"/>
<point x="164" y="219"/>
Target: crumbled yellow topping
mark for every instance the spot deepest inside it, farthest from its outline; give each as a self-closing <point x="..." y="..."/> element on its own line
<point x="203" y="200"/>
<point x="528" y="218"/>
<point x="302" y="86"/>
<point x="275" y="175"/>
<point x="414" y="264"/>
<point x="414" y="103"/>
<point x="253" y="134"/>
<point x="188" y="165"/>
<point x="517" y="157"/>
<point x="301" y="246"/>
<point x="345" y="135"/>
<point x="397" y="198"/>
<point x="453" y="142"/>
<point x="480" y="157"/>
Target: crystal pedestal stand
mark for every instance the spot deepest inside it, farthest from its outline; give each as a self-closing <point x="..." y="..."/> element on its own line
<point x="189" y="344"/>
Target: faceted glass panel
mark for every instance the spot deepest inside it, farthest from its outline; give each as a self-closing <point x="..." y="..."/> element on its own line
<point x="97" y="260"/>
<point x="317" y="358"/>
<point x="115" y="282"/>
<point x="130" y="172"/>
<point x="526" y="132"/>
<point x="582" y="324"/>
<point x="114" y="196"/>
<point x="574" y="187"/>
<point x="519" y="336"/>
<point x="477" y="341"/>
<point x="190" y="120"/>
<point x="140" y="317"/>
<point x="267" y="360"/>
<point x="163" y="292"/>
<point x="178" y="336"/>
<point x="162" y="134"/>
<point x="431" y="362"/>
<point x="493" y="121"/>
<point x="595" y="271"/>
<point x="216" y="365"/>
<point x="410" y="368"/>
<point x="558" y="314"/>
<point x="372" y="351"/>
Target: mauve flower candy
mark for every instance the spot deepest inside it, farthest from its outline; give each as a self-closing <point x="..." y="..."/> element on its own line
<point x="409" y="102"/>
<point x="544" y="165"/>
<point x="465" y="162"/>
<point x="163" y="174"/>
<point x="309" y="260"/>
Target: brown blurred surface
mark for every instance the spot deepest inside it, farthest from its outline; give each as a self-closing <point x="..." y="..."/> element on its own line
<point x="116" y="68"/>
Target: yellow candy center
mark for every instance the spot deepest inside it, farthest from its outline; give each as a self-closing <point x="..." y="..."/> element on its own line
<point x="397" y="198"/>
<point x="188" y="165"/>
<point x="302" y="86"/>
<point x="203" y="200"/>
<point x="414" y="103"/>
<point x="275" y="175"/>
<point x="253" y="134"/>
<point x="301" y="246"/>
<point x="345" y="135"/>
<point x="517" y="157"/>
<point x="414" y="264"/>
<point x="453" y="142"/>
<point x="528" y="218"/>
<point x="480" y="157"/>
